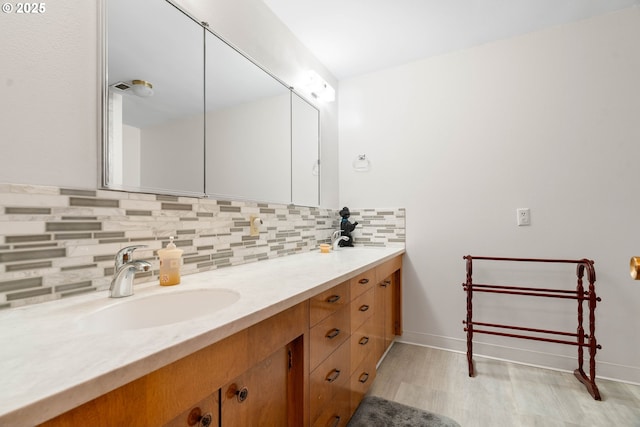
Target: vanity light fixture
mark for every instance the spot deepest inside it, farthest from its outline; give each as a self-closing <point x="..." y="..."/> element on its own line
<point x="318" y="88"/>
<point x="361" y="163"/>
<point x="142" y="88"/>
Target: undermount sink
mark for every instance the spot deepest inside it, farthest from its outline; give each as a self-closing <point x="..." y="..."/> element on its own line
<point x="158" y="309"/>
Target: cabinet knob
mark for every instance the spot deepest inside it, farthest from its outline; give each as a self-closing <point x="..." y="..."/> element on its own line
<point x="363" y="281"/>
<point x="240" y="393"/>
<point x="364" y="307"/>
<point x="336" y="421"/>
<point x="206" y="420"/>
<point x="364" y="377"/>
<point x="363" y="341"/>
<point x="196" y="417"/>
<point x="385" y="283"/>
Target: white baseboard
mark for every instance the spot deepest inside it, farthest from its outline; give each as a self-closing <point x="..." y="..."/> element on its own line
<point x="604" y="370"/>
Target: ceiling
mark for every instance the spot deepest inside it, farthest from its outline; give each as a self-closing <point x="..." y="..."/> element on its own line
<point x="353" y="37"/>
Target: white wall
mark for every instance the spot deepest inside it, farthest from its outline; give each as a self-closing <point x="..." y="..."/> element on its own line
<point x="49" y="96"/>
<point x="548" y="121"/>
<point x="49" y="80"/>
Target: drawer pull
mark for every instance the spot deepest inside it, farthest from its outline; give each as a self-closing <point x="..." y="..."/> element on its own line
<point x="363" y="281"/>
<point x="385" y="283"/>
<point x="333" y="375"/>
<point x="364" y="377"/>
<point x="336" y="421"/>
<point x="333" y="333"/>
<point x="333" y="299"/>
<point x="363" y="341"/>
<point x="364" y="308"/>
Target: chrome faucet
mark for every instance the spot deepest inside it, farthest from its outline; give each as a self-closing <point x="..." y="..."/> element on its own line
<point x="125" y="270"/>
<point x="336" y="237"/>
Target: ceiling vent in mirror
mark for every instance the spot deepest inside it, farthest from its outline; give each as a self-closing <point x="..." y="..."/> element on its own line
<point x="120" y="86"/>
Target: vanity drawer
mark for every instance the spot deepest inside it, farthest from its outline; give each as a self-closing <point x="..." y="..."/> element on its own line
<point x="362" y="343"/>
<point x="327" y="381"/>
<point x="361" y="380"/>
<point x="337" y="412"/>
<point x="328" y="335"/>
<point x="362" y="309"/>
<point x="362" y="282"/>
<point x="328" y="302"/>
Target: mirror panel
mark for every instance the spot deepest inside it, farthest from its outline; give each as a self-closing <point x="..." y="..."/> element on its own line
<point x="155" y="140"/>
<point x="216" y="123"/>
<point x="248" y="128"/>
<point x="305" y="152"/>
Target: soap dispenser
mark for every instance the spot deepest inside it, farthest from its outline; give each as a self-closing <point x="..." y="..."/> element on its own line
<point x="170" y="261"/>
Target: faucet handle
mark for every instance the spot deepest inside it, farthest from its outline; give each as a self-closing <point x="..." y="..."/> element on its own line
<point x="123" y="256"/>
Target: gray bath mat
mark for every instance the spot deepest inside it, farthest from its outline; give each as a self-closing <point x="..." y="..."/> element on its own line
<point x="377" y="412"/>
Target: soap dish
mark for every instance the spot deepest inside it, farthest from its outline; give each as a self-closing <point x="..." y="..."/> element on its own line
<point x="324" y="248"/>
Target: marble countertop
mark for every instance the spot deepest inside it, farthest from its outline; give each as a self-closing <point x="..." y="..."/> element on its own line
<point x="50" y="363"/>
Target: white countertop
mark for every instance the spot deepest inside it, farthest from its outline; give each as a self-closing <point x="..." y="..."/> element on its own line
<point x="49" y="364"/>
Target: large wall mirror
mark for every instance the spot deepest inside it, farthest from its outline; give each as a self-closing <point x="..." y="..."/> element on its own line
<point x="188" y="114"/>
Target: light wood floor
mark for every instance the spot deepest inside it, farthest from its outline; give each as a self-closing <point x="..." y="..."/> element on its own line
<point x="502" y="394"/>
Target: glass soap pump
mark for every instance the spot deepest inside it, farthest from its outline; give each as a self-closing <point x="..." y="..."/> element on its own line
<point x="170" y="261"/>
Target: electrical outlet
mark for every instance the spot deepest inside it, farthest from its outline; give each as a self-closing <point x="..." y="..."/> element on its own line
<point x="254" y="224"/>
<point x="524" y="216"/>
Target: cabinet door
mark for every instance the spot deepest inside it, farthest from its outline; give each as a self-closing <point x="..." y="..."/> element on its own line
<point x="259" y="397"/>
<point x="390" y="315"/>
<point x="387" y="313"/>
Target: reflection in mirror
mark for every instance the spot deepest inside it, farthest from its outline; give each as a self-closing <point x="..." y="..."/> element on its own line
<point x="156" y="99"/>
<point x="248" y="128"/>
<point x="305" y="153"/>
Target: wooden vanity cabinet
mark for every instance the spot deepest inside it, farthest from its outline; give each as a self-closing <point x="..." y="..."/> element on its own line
<point x="160" y="398"/>
<point x="309" y="365"/>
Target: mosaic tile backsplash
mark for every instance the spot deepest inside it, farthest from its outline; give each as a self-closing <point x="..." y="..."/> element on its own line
<point x="59" y="242"/>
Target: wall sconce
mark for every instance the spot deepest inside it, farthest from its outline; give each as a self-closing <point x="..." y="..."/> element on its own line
<point x="361" y="163"/>
<point x="142" y="88"/>
<point x="318" y="88"/>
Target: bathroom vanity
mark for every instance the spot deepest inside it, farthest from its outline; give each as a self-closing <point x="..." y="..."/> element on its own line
<point x="298" y="347"/>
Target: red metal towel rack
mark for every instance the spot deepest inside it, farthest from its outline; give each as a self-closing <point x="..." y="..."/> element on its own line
<point x="580" y="338"/>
